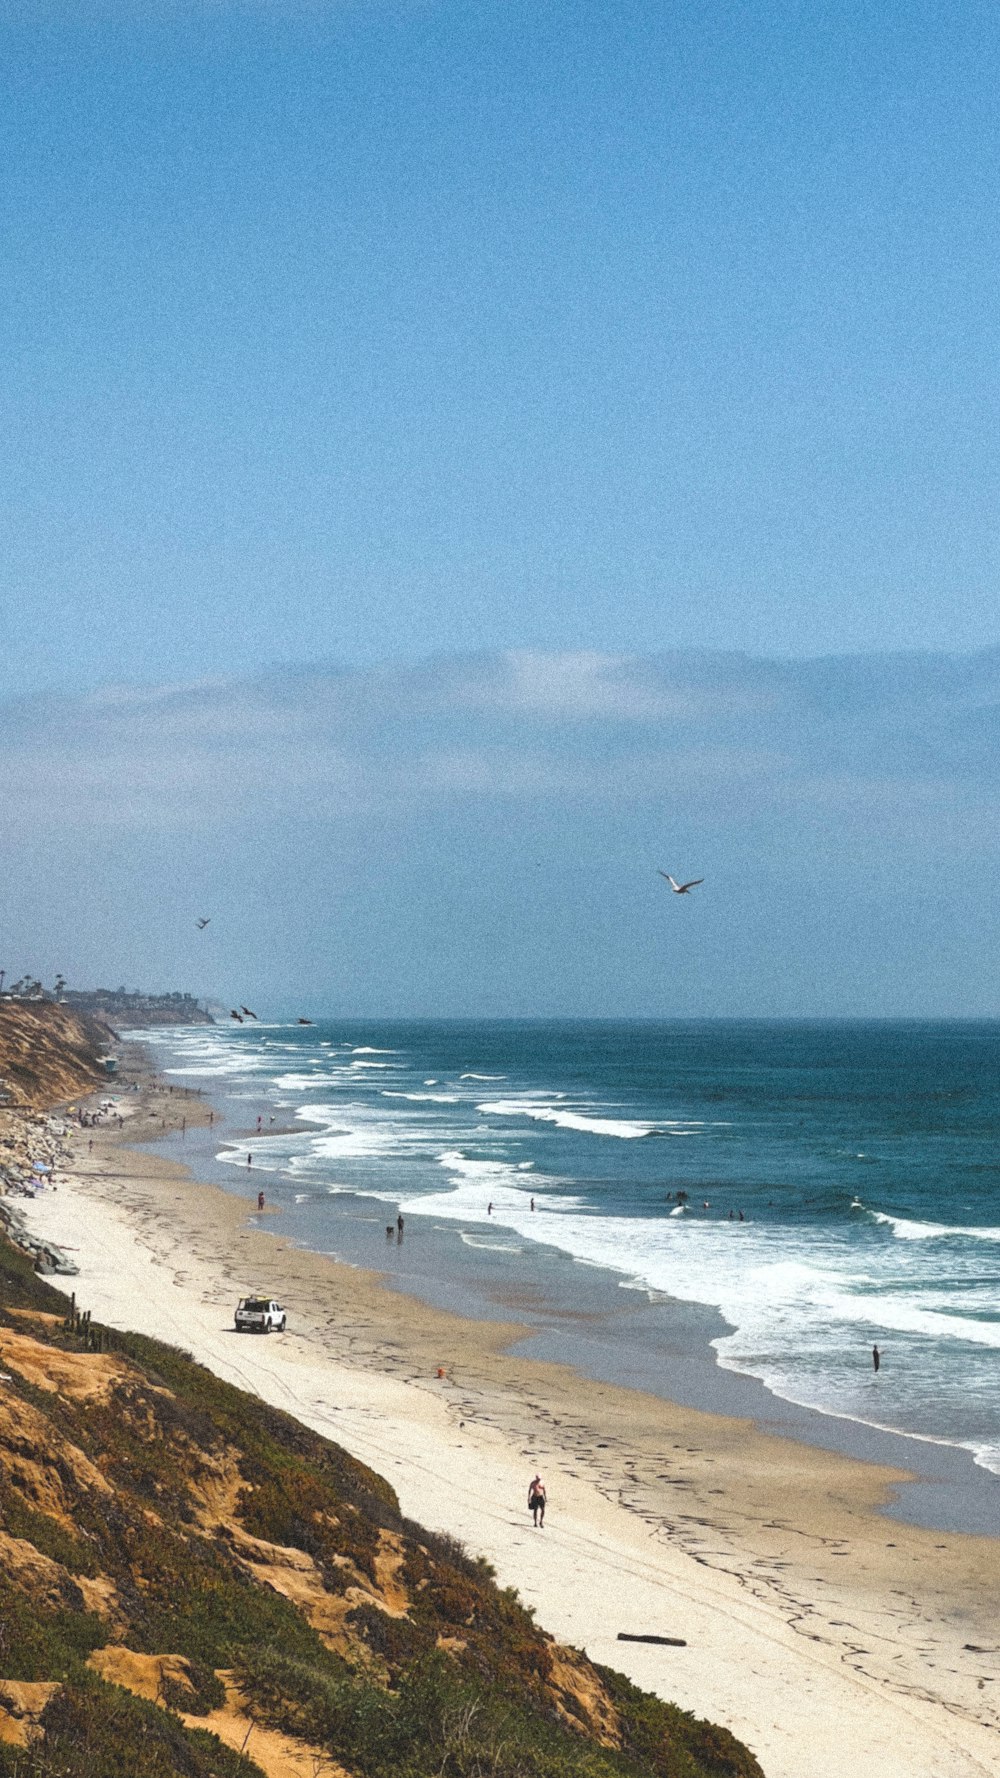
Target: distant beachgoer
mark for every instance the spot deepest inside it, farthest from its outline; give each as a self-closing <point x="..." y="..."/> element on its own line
<point x="260" y="1200"/>
<point x="489" y="1208"/>
<point x="399" y="1224"/>
<point x="211" y="1119"/>
<point x="536" y="1501"/>
<point x="259" y="1122"/>
<point x="742" y="1217"/>
<point x="249" y="1160"/>
<point x="876" y="1359"/>
<point x="532" y="1203"/>
<point x="271" y="1119"/>
<point x="732" y="1216"/>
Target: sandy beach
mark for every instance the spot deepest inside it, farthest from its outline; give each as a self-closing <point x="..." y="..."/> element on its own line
<point x="821" y="1632"/>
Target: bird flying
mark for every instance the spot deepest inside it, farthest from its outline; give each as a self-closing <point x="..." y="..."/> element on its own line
<point x="201" y="924"/>
<point x="249" y="1014"/>
<point x="238" y="1016"/>
<point x="680" y="888"/>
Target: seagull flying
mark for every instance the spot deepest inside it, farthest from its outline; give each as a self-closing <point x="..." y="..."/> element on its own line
<point x="201" y="924"/>
<point x="246" y="1009"/>
<point x="680" y="888"/>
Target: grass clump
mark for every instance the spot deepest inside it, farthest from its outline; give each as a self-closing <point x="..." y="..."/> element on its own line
<point x="44" y="1642"/>
<point x="436" y="1723"/>
<point x="208" y="1691"/>
<point x="667" y="1742"/>
<point x="46" y="1534"/>
<point x="94" y="1730"/>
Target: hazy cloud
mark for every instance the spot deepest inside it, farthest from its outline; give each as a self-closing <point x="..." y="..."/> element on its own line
<point x="482" y="834"/>
<point x="859" y="737"/>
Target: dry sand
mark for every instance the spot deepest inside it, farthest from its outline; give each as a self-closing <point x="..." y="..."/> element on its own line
<point x="828" y="1637"/>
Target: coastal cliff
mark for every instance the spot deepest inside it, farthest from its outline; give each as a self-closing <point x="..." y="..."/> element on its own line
<point x="48" y="1053"/>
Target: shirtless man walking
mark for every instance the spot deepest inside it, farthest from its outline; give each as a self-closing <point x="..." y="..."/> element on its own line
<point x="536" y="1501"/>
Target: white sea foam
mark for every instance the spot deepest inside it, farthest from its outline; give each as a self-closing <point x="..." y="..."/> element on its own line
<point x="625" y="1128"/>
<point x="489" y="1246"/>
<point x="475" y="1182"/>
<point x="304" y="1083"/>
<point x="423" y="1098"/>
<point x="368" y="1049"/>
<point x="482" y="1077"/>
<point x="905" y="1229"/>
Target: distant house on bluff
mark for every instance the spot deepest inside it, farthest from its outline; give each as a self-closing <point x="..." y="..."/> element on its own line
<point x="124" y="1006"/>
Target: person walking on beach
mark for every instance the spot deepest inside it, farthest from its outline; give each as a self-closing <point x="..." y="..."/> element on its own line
<point x="260" y="1200"/>
<point x="876" y="1359"/>
<point x="536" y="1501"/>
<point x="399" y="1226"/>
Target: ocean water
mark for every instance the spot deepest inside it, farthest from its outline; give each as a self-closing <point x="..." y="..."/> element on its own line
<point x="865" y="1159"/>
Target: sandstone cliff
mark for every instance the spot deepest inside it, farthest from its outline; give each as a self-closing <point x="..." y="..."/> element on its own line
<point x="47" y="1053"/>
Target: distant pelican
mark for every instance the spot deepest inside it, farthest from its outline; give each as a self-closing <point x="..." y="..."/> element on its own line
<point x="680" y="888"/>
<point x="238" y="1016"/>
<point x="249" y="1014"/>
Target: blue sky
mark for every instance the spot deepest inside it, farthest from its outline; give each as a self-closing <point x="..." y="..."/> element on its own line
<point x="362" y="351"/>
<point x="344" y="331"/>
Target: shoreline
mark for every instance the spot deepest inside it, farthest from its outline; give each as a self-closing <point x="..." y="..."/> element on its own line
<point x="622" y="1334"/>
<point x="816" y="1628"/>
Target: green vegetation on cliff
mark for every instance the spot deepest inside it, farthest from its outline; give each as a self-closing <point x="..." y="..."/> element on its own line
<point x="192" y="1582"/>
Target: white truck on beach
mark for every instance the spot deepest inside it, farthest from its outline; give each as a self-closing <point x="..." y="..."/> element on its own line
<point x="259" y="1314"/>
